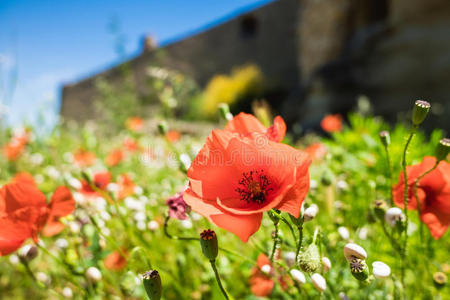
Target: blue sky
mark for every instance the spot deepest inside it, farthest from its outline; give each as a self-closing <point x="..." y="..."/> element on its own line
<point x="45" y="43"/>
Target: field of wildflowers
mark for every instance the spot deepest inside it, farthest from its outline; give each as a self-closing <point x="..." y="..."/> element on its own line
<point x="243" y="213"/>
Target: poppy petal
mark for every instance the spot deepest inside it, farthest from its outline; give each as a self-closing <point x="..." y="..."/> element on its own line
<point x="62" y="202"/>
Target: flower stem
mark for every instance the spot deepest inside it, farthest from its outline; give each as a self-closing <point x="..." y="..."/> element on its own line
<point x="300" y="239"/>
<point x="405" y="203"/>
<point x="275" y="242"/>
<point x="389" y="173"/>
<point x="219" y="282"/>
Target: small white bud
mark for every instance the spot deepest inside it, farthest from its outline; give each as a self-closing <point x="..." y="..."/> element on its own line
<point x="140" y="225"/>
<point x="352" y="250"/>
<point x="14" y="259"/>
<point x="326" y="264"/>
<point x="380" y="269"/>
<point x="289" y="258"/>
<point x="75" y="183"/>
<point x="313" y="184"/>
<point x="319" y="282"/>
<point x="61" y="243"/>
<point x="311" y="212"/>
<point x="112" y="187"/>
<point x="67" y="292"/>
<point x="42" y="277"/>
<point x="185" y="160"/>
<point x="393" y="215"/>
<point x="138" y="190"/>
<point x="187" y="224"/>
<point x="93" y="274"/>
<point x="74" y="227"/>
<point x="266" y="269"/>
<point x="342" y="184"/>
<point x="298" y="276"/>
<point x="344" y="233"/>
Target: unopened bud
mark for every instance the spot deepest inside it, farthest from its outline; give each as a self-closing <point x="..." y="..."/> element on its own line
<point x="326" y="264"/>
<point x="394" y="216"/>
<point x="352" y="251"/>
<point x="439" y="279"/>
<point x="224" y="111"/>
<point x="442" y="149"/>
<point x="327" y="177"/>
<point x="274" y="217"/>
<point x="359" y="269"/>
<point x="298" y="276"/>
<point x="319" y="282"/>
<point x="311" y="212"/>
<point x="93" y="274"/>
<point x="385" y="138"/>
<point x="266" y="269"/>
<point x="380" y="269"/>
<point x="28" y="252"/>
<point x="163" y="128"/>
<point x="309" y="260"/>
<point x="380" y="207"/>
<point x="420" y="111"/>
<point x="210" y="246"/>
<point x="152" y="284"/>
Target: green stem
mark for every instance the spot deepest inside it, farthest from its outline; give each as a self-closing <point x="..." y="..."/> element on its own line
<point x="389" y="171"/>
<point x="275" y="242"/>
<point x="285" y="221"/>
<point x="300" y="239"/>
<point x="213" y="265"/>
<point x="405" y="203"/>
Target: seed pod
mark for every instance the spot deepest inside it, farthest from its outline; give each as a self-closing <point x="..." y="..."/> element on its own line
<point x="309" y="260"/>
<point x="28" y="252"/>
<point x="442" y="149"/>
<point x="359" y="269"/>
<point x="385" y="138"/>
<point x="326" y="264"/>
<point x="93" y="274"/>
<point x="209" y="243"/>
<point x="298" y="276"/>
<point x="380" y="207"/>
<point x="319" y="282"/>
<point x="380" y="269"/>
<point x="152" y="284"/>
<point x="439" y="279"/>
<point x="420" y="111"/>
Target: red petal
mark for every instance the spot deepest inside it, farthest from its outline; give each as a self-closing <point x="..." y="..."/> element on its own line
<point x="62" y="202"/>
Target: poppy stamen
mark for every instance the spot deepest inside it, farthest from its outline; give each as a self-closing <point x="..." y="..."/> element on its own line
<point x="255" y="186"/>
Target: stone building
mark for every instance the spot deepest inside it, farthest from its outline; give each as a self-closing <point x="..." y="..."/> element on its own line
<point x="317" y="57"/>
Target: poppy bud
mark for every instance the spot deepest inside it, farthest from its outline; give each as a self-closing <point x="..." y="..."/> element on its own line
<point x="28" y="253"/>
<point x="327" y="178"/>
<point x="394" y="216"/>
<point x="208" y="241"/>
<point x="380" y="207"/>
<point x="298" y="276"/>
<point x="163" y="128"/>
<point x="326" y="264"/>
<point x="352" y="251"/>
<point x="385" y="138"/>
<point x="309" y="260"/>
<point x="319" y="282"/>
<point x="380" y="269"/>
<point x="420" y="111"/>
<point x="442" y="149"/>
<point x="93" y="274"/>
<point x="311" y="212"/>
<point x="439" y="279"/>
<point x="224" y="111"/>
<point x="152" y="284"/>
<point x="359" y="269"/>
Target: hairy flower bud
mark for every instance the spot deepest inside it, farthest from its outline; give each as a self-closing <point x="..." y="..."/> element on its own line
<point x="326" y="264"/>
<point x="209" y="243"/>
<point x="385" y="138"/>
<point x="359" y="269"/>
<point x="163" y="128"/>
<point x="275" y="219"/>
<point x="309" y="259"/>
<point x="28" y="252"/>
<point x="442" y="149"/>
<point x="152" y="284"/>
<point x="394" y="216"/>
<point x="420" y="111"/>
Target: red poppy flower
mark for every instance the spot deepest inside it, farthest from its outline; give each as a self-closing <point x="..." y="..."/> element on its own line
<point x="134" y="124"/>
<point x="114" y="158"/>
<point x="24" y="176"/>
<point x="332" y="123"/>
<point x="15" y="147"/>
<point x="100" y="180"/>
<point x="126" y="187"/>
<point x="316" y="151"/>
<point x="24" y="212"/>
<point x="84" y="158"/>
<point x="245" y="123"/>
<point x="115" y="261"/>
<point x="433" y="193"/>
<point x="261" y="284"/>
<point x="173" y="136"/>
<point x="235" y="178"/>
